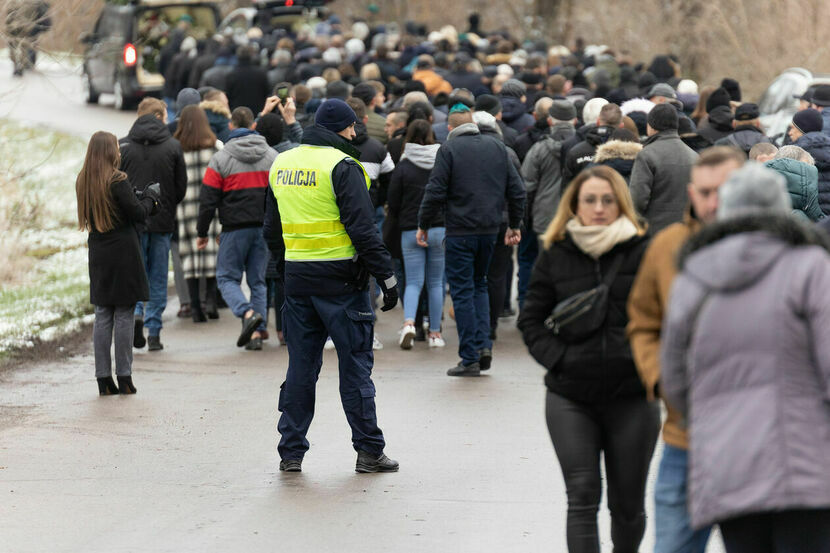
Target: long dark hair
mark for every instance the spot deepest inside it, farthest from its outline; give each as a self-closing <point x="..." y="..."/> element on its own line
<point x="193" y="130"/>
<point x="92" y="187"/>
<point x="419" y="132"/>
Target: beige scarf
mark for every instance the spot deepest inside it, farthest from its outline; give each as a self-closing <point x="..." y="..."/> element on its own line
<point x="598" y="240"/>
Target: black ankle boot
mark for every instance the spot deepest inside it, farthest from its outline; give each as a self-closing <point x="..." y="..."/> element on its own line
<point x="107" y="387"/>
<point x="196" y="312"/>
<point x="125" y="385"/>
<point x="211" y="307"/>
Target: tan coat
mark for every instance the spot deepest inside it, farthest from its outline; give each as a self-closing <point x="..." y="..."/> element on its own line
<point x="647" y="303"/>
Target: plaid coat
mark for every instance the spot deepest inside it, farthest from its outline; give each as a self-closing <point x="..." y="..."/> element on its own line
<point x="196" y="263"/>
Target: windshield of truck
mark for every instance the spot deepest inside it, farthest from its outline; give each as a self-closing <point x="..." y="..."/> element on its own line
<point x="157" y="27"/>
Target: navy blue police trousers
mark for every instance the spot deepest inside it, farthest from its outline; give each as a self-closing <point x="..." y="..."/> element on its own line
<point x="307" y="321"/>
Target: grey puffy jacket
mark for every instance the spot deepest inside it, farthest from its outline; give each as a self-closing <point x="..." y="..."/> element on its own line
<point x="746" y="359"/>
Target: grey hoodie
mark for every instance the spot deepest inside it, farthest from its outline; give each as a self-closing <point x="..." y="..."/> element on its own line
<point x="746" y="360"/>
<point x="421" y="155"/>
<point x="466" y="128"/>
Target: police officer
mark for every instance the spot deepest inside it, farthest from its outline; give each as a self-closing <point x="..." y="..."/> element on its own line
<point x="320" y="218"/>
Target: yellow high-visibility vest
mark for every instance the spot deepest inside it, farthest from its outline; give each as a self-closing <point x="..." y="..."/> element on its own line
<point x="301" y="181"/>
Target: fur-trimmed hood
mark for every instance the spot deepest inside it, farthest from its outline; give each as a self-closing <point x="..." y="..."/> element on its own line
<point x="734" y="253"/>
<point x="216" y="107"/>
<point x="617" y="149"/>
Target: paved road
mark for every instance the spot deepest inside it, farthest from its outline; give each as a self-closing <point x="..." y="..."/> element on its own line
<point x="190" y="463"/>
<point x="53" y="96"/>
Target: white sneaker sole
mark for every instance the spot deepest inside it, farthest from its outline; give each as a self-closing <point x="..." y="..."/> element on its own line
<point x="407" y="339"/>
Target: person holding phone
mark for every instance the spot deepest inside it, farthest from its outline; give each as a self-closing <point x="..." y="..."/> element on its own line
<point x="109" y="210"/>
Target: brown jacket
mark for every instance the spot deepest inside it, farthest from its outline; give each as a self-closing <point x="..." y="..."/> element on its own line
<point x="647" y="302"/>
<point x="433" y="82"/>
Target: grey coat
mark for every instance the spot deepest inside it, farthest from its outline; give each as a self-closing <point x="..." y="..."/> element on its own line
<point x="746" y="359"/>
<point x="659" y="179"/>
<point x="542" y="173"/>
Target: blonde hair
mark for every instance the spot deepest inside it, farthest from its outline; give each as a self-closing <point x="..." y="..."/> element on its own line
<point x="570" y="199"/>
<point x="370" y="72"/>
<point x="152" y="105"/>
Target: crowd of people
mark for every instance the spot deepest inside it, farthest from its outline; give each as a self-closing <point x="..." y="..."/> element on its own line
<point x="665" y="249"/>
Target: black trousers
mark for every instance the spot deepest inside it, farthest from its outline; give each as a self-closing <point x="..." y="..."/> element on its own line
<point x="626" y="431"/>
<point x="498" y="276"/>
<point x="783" y="532"/>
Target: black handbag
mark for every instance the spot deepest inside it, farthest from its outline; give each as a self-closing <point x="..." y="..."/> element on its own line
<point x="578" y="316"/>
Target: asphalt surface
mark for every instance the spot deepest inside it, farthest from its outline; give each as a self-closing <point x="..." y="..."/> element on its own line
<point x="190" y="462"/>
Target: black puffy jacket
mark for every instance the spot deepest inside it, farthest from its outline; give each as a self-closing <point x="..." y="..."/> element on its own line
<point x="601" y="367"/>
<point x="582" y="154"/>
<point x="150" y="154"/>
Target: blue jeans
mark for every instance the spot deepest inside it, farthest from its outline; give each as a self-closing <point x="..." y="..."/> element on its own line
<point x="155" y="249"/>
<point x="420" y="263"/>
<point x="528" y="251"/>
<point x="671" y="518"/>
<point x="467" y="263"/>
<point x="243" y="250"/>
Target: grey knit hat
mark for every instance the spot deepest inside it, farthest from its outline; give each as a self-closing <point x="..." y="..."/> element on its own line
<point x="513" y="87"/>
<point x="753" y="189"/>
<point x="562" y="110"/>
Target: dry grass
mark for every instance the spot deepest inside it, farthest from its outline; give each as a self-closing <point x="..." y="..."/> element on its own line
<point x="15" y="211"/>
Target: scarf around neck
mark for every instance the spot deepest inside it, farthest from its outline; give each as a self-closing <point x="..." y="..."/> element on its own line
<point x="598" y="240"/>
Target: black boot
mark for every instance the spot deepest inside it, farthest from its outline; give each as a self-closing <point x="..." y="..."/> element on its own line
<point x="107" y="387"/>
<point x="211" y="307"/>
<point x="139" y="341"/>
<point x="154" y="343"/>
<point x="366" y="462"/>
<point x="125" y="385"/>
<point x="195" y="304"/>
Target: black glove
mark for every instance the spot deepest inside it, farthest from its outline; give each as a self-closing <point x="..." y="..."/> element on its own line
<point x="153" y="192"/>
<point x="390" y="292"/>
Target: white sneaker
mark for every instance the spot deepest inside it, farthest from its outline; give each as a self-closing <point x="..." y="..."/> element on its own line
<point x="329" y="343"/>
<point x="376" y="344"/>
<point x="436" y="342"/>
<point x="407" y="335"/>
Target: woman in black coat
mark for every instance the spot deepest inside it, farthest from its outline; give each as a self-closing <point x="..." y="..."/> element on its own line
<point x="595" y="401"/>
<point x="109" y="209"/>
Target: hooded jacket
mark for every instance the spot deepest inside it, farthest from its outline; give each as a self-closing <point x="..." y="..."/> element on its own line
<point x="377" y="162"/>
<point x="818" y="146"/>
<point x="744" y="137"/>
<point x="582" y="154"/>
<point x="599" y="368"/>
<point x="719" y="125"/>
<point x="802" y="185"/>
<point x="659" y="179"/>
<point x="526" y="140"/>
<point x="409" y="180"/>
<point x="218" y="118"/>
<point x="235" y="183"/>
<point x="150" y="154"/>
<point x="745" y="360"/>
<point x="618" y="155"/>
<point x="514" y="114"/>
<point x="472" y="179"/>
<point x="327" y="278"/>
<point x="542" y="173"/>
